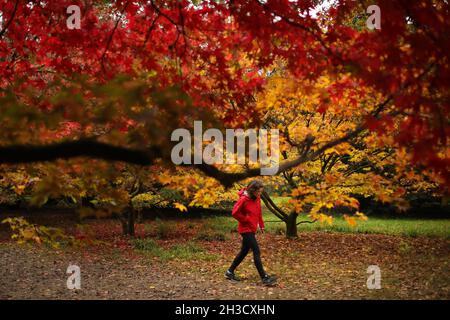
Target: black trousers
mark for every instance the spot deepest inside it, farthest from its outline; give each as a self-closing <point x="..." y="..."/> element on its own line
<point x="249" y="242"/>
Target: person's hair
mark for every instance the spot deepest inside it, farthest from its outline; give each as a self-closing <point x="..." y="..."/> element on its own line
<point x="253" y="186"/>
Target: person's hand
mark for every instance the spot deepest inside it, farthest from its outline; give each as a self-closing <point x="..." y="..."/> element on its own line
<point x="261" y="230"/>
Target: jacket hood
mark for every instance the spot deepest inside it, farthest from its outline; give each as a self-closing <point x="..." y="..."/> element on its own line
<point x="243" y="193"/>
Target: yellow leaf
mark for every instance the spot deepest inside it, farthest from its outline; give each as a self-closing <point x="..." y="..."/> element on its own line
<point x="329" y="205"/>
<point x="19" y="189"/>
<point x="330" y="151"/>
<point x="180" y="207"/>
<point x="361" y="216"/>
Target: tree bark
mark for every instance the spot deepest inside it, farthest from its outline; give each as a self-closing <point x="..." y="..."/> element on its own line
<point x="127" y="219"/>
<point x="291" y="225"/>
<point x="131" y="222"/>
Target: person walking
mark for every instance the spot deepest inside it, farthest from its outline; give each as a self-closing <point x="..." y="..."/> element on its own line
<point x="247" y="211"/>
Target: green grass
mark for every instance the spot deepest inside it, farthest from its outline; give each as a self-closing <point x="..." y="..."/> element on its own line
<point x="397" y="226"/>
<point x="279" y="200"/>
<point x="186" y="251"/>
<point x="215" y="229"/>
<point x="220" y="224"/>
<point x="404" y="226"/>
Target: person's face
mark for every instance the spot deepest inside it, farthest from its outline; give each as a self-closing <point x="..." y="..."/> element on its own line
<point x="259" y="191"/>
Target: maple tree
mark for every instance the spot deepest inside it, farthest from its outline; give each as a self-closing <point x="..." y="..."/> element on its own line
<point x="368" y="165"/>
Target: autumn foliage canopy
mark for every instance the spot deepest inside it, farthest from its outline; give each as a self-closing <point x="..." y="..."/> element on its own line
<point x="134" y="71"/>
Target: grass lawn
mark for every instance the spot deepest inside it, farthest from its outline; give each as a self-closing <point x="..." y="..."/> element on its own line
<point x="402" y="225"/>
<point x="396" y="226"/>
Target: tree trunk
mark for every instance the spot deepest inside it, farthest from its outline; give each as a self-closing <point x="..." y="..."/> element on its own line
<point x="124" y="226"/>
<point x="127" y="221"/>
<point x="291" y="225"/>
<point x="131" y="222"/>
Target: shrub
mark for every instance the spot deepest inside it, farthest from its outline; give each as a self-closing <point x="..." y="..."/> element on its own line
<point x="26" y="232"/>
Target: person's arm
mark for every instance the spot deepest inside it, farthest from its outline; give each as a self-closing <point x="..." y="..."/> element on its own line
<point x="261" y="221"/>
<point x="237" y="210"/>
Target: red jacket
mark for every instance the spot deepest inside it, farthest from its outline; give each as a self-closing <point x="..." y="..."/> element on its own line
<point x="248" y="213"/>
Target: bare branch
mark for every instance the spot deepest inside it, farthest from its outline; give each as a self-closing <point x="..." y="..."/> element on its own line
<point x="315" y="220"/>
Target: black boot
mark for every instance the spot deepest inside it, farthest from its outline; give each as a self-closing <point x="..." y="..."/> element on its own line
<point x="269" y="280"/>
<point x="231" y="276"/>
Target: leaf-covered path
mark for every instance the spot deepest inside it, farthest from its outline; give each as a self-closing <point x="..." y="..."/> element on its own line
<point x="318" y="265"/>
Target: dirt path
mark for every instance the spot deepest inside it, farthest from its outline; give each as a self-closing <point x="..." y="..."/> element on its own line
<point x="316" y="266"/>
<point x="41" y="274"/>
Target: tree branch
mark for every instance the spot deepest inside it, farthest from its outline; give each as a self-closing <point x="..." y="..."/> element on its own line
<point x="71" y="149"/>
<point x="273" y="207"/>
<point x="306" y="221"/>
<point x="10" y="19"/>
<point x="111" y="35"/>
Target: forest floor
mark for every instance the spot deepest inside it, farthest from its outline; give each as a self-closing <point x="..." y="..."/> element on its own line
<point x="179" y="259"/>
